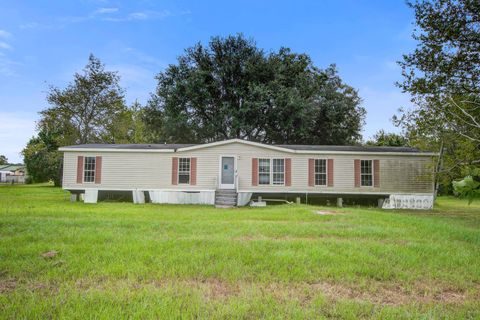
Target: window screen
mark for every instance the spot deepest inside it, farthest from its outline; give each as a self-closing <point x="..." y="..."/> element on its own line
<point x="89" y="169"/>
<point x="264" y="171"/>
<point x="184" y="170"/>
<point x="366" y="173"/>
<point x="278" y="171"/>
<point x="320" y="172"/>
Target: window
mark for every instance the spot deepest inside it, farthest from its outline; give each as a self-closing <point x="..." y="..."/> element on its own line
<point x="264" y="171"/>
<point x="320" y="172"/>
<point x="271" y="171"/>
<point x="184" y="170"/>
<point x="366" y="173"/>
<point x="89" y="169"/>
<point x="278" y="171"/>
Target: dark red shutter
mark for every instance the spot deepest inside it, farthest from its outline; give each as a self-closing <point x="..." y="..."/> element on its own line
<point x="376" y="173"/>
<point x="330" y="172"/>
<point x="288" y="172"/>
<point x="254" y="171"/>
<point x="98" y="169"/>
<point x="193" y="171"/>
<point x="357" y="172"/>
<point x="79" y="169"/>
<point x="174" y="170"/>
<point x="311" y="172"/>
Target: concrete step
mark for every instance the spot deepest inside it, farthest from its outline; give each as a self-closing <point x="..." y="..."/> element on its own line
<point x="223" y="206"/>
<point x="221" y="196"/>
<point x="226" y="202"/>
<point x="225" y="198"/>
<point x="226" y="193"/>
<point x="229" y="203"/>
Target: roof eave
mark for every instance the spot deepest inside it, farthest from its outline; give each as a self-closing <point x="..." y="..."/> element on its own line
<point x="76" y="149"/>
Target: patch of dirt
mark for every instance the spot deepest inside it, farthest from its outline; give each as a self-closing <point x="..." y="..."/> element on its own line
<point x="7" y="285"/>
<point x="326" y="212"/>
<point x="215" y="289"/>
<point x="49" y="254"/>
<point x="383" y="294"/>
<point x="450" y="296"/>
<point x="41" y="286"/>
<point x="377" y="293"/>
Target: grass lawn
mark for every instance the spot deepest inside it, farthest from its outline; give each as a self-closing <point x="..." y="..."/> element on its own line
<point x="120" y="260"/>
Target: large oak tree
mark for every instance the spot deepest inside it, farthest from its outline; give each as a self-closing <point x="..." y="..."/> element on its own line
<point x="233" y="89"/>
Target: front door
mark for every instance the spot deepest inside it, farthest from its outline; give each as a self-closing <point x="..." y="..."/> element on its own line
<point x="227" y="172"/>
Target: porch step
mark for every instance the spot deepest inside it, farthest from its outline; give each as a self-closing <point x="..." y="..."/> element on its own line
<point x="225" y="198"/>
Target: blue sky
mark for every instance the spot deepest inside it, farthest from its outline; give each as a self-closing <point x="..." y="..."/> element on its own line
<point x="43" y="43"/>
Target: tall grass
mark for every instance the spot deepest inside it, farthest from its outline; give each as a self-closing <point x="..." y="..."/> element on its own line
<point x="120" y="260"/>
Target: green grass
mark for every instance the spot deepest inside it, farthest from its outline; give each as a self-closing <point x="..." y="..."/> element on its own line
<point x="120" y="260"/>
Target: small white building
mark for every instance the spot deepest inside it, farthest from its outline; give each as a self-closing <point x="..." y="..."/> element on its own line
<point x="12" y="173"/>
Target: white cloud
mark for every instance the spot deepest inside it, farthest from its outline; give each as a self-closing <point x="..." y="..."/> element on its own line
<point x="105" y="10"/>
<point x="7" y="66"/>
<point x="145" y="59"/>
<point x="4" y="45"/>
<point x="141" y="15"/>
<point x="16" y="129"/>
<point x="4" y="34"/>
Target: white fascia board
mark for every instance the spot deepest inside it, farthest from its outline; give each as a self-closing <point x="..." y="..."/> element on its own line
<point x="266" y="146"/>
<point x="367" y="153"/>
<point x="221" y="143"/>
<point x="256" y="144"/>
<point x="66" y="149"/>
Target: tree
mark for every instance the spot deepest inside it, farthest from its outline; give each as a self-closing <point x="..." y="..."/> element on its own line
<point x="3" y="159"/>
<point x="232" y="89"/>
<point x="91" y="109"/>
<point x="443" y="73"/>
<point x="382" y="138"/>
<point x="42" y="158"/>
<point x="443" y="77"/>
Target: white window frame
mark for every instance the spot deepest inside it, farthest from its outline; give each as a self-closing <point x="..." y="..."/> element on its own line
<point x="184" y="172"/>
<point x="315" y="172"/>
<point x="89" y="170"/>
<point x="273" y="179"/>
<point x="270" y="172"/>
<point x="366" y="174"/>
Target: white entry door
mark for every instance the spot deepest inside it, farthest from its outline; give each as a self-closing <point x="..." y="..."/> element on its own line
<point x="227" y="172"/>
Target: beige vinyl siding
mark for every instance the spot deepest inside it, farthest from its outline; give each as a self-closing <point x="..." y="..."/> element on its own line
<point x="130" y="170"/>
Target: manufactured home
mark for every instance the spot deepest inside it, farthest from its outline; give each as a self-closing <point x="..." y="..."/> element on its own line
<point x="233" y="172"/>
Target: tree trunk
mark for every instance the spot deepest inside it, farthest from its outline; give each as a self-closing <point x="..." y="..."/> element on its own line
<point x="438" y="167"/>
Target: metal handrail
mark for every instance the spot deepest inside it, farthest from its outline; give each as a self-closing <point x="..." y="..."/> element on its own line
<point x="236" y="181"/>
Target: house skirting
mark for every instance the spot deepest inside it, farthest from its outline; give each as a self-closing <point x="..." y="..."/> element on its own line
<point x="207" y="197"/>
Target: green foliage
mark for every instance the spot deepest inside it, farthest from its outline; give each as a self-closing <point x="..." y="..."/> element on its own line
<point x="469" y="187"/>
<point x="442" y="75"/>
<point x="124" y="260"/>
<point x="382" y="138"/>
<point x="446" y="60"/>
<point x="91" y="109"/>
<point x="42" y="160"/>
<point x="232" y="89"/>
<point x="3" y="159"/>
